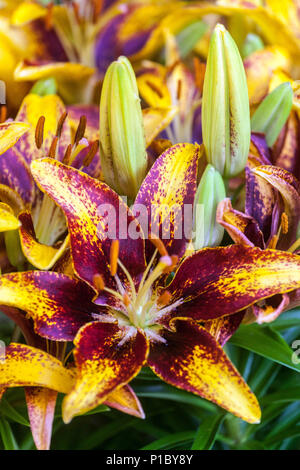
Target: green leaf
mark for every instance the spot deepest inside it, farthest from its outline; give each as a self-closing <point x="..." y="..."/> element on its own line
<point x="263" y="340"/>
<point x="207" y="431"/>
<point x="12" y="414"/>
<point x="171" y="440"/>
<point x="8" y="439"/>
<point x="284" y="396"/>
<point x="189" y="36"/>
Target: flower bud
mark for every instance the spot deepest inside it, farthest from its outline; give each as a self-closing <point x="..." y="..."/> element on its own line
<point x="211" y="191"/>
<point x="273" y="112"/>
<point x="44" y="87"/>
<point x="225" y="106"/>
<point x="122" y="138"/>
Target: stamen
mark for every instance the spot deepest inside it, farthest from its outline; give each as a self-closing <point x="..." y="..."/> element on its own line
<point x="91" y="153"/>
<point x="67" y="156"/>
<point x="3" y="113"/>
<point x="49" y="17"/>
<point x="98" y="282"/>
<point x="114" y="255"/>
<point x="273" y="242"/>
<point x="76" y="11"/>
<point x="52" y="150"/>
<point x="61" y="123"/>
<point x="154" y="88"/>
<point x="164" y="298"/>
<point x="199" y="74"/>
<point x="126" y="300"/>
<point x="284" y="223"/>
<point x="80" y="130"/>
<point x="97" y="7"/>
<point x="39" y="132"/>
<point x="179" y="89"/>
<point x="158" y="244"/>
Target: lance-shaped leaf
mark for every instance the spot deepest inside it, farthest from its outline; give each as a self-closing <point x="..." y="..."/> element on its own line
<point x="10" y="133"/>
<point x="7" y="219"/>
<point x="289" y="188"/>
<point x="58" y="304"/>
<point x="242" y="228"/>
<point x="168" y="189"/>
<point x="40" y="255"/>
<point x="220" y="281"/>
<point x="106" y="357"/>
<point x="96" y="215"/>
<point x="192" y="359"/>
<point x="41" y="406"/>
<point x="28" y="366"/>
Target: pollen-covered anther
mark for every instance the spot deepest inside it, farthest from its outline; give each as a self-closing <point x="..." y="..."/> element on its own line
<point x="284" y="223"/>
<point x="199" y="68"/>
<point x="98" y="282"/>
<point x="158" y="245"/>
<point x="76" y="11"/>
<point x="179" y="86"/>
<point x="60" y="124"/>
<point x="164" y="298"/>
<point x="91" y="153"/>
<point x="39" y="132"/>
<point x="53" y="147"/>
<point x="80" y="130"/>
<point x="67" y="156"/>
<point x="114" y="255"/>
<point x="126" y="299"/>
<point x="3" y="113"/>
<point x="49" y="17"/>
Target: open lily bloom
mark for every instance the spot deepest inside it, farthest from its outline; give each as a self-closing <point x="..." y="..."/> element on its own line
<point x="272" y="210"/>
<point x="33" y="136"/>
<point x="121" y="312"/>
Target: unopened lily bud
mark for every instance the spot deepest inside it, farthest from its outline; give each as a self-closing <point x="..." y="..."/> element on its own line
<point x="273" y="112"/>
<point x="44" y="87"/>
<point x="225" y="106"/>
<point x="122" y="138"/>
<point x="210" y="192"/>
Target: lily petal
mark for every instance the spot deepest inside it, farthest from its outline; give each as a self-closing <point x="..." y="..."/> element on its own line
<point x="106" y="358"/>
<point x="7" y="219"/>
<point x="219" y="281"/>
<point x="59" y="305"/>
<point x="124" y="399"/>
<point x="10" y="133"/>
<point x="289" y="188"/>
<point x="192" y="360"/>
<point x="86" y="204"/>
<point x="41" y="406"/>
<point x="156" y="120"/>
<point x="169" y="187"/>
<point x="223" y="328"/>
<point x="28" y="366"/>
<point x="41" y="256"/>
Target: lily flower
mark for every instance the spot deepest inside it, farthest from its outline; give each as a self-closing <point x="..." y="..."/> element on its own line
<point x="120" y="312"/>
<point x="30" y="137"/>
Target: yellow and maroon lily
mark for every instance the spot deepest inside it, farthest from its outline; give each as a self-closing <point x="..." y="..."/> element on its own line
<point x="122" y="311"/>
<point x="42" y="127"/>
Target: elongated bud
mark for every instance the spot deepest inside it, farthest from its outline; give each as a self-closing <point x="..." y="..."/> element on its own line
<point x="122" y="139"/>
<point x="225" y="106"/>
<point x="273" y="112"/>
<point x="210" y="192"/>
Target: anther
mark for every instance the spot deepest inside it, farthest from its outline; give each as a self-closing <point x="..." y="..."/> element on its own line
<point x="158" y="245"/>
<point x="61" y="123"/>
<point x="67" y="156"/>
<point x="98" y="282"/>
<point x="91" y="153"/>
<point x="126" y="299"/>
<point x="164" y="298"/>
<point x="3" y="113"/>
<point x="114" y="255"/>
<point x="97" y="7"/>
<point x="76" y="11"/>
<point x="52" y="150"/>
<point x="179" y="89"/>
<point x="80" y="129"/>
<point x="49" y="17"/>
<point x="199" y="73"/>
<point x="284" y="223"/>
<point x="39" y="132"/>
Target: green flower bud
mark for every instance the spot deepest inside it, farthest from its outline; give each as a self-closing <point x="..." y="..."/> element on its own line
<point x="273" y="112"/>
<point x="13" y="249"/>
<point x="210" y="192"/>
<point x="225" y="106"/>
<point x="122" y="137"/>
<point x="44" y="87"/>
<point x="252" y="44"/>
